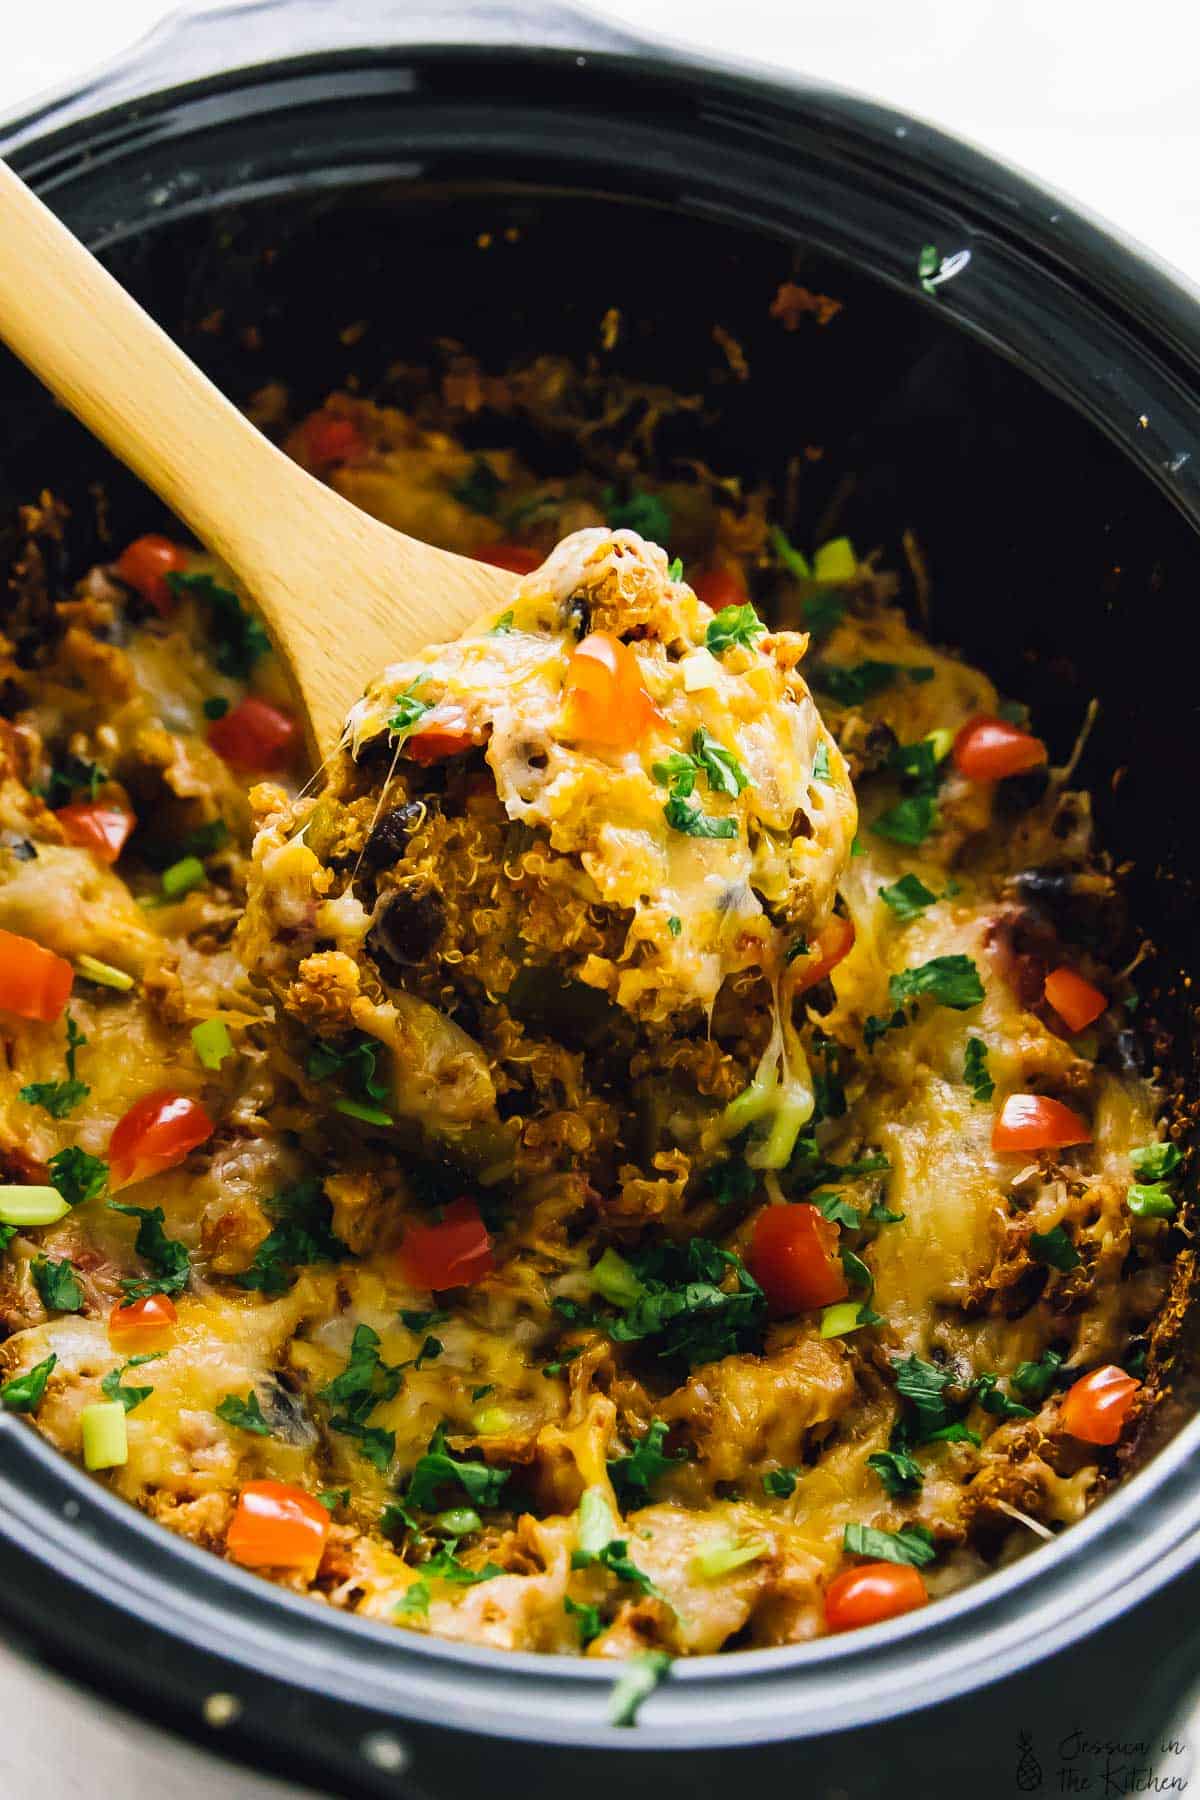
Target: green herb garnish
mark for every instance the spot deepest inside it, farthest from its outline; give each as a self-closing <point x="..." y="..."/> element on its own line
<point x="1054" y="1248"/>
<point x="437" y="1468"/>
<point x="167" y="1257"/>
<point x="245" y="1414"/>
<point x="24" y="1392"/>
<point x="975" y="1070"/>
<point x="59" y="1098"/>
<point x="56" y="1284"/>
<point x="129" y="1397"/>
<point x="240" y="637"/>
<point x="951" y="981"/>
<point x="913" y="1544"/>
<point x="634" y="1476"/>
<point x="77" y="1174"/>
<point x="733" y="625"/>
<point x="302" y="1234"/>
<point x="907" y="898"/>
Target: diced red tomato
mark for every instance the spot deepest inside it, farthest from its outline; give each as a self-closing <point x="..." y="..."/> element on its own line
<point x="277" y="1526"/>
<point x="456" y="1252"/>
<point x="1035" y="1122"/>
<point x="144" y="566"/>
<point x="1077" y="1003"/>
<point x="871" y="1593"/>
<point x="447" y="735"/>
<point x="156" y="1133"/>
<point x="330" y="438"/>
<point x="720" y="587"/>
<point x="142" y="1320"/>
<point x="794" y="1259"/>
<point x="103" y="829"/>
<point x="255" y="735"/>
<point x="517" y="557"/>
<point x="34" y="983"/>
<point x="833" y="942"/>
<point x="1095" y="1408"/>
<point x="606" y="701"/>
<point x="988" y="749"/>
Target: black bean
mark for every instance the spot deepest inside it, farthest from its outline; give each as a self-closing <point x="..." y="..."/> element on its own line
<point x="1020" y="793"/>
<point x="406" y="928"/>
<point x="390" y="838"/>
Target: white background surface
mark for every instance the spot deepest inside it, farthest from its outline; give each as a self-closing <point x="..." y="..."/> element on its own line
<point x="1098" y="99"/>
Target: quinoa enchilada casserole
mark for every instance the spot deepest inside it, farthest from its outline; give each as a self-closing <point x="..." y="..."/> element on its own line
<point x="651" y="1155"/>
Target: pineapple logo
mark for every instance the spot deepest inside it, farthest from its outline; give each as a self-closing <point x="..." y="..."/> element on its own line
<point x="1029" y="1769"/>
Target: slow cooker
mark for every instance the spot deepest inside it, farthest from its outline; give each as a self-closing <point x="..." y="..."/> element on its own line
<point x="341" y="185"/>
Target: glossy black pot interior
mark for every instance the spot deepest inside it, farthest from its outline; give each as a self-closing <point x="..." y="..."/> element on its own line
<point x="1035" y="426"/>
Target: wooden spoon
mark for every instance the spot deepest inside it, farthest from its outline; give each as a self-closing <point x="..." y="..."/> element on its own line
<point x="341" y="594"/>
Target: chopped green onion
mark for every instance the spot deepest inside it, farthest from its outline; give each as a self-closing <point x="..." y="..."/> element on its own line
<point x="1150" y="1201"/>
<point x="457" y="1521"/>
<point x="598" y="1524"/>
<point x="835" y="561"/>
<point x="642" y="1674"/>
<point x="370" y="1115"/>
<point x="722" y="1559"/>
<point x="105" y="1438"/>
<point x="613" y="1277"/>
<point x="182" y="877"/>
<point x="103" y="974"/>
<point x="837" y="1320"/>
<point x="212" y="1042"/>
<point x="31" y="1206"/>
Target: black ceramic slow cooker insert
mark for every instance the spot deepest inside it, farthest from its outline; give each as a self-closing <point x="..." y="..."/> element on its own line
<point x="503" y="176"/>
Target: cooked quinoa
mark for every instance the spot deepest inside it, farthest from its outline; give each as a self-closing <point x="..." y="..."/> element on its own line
<point x="589" y="1180"/>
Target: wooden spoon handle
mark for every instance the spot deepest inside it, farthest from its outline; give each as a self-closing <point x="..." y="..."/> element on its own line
<point x="67" y="318"/>
<point x="342" y="594"/>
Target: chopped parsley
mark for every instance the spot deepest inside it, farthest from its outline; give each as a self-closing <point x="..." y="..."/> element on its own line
<point x="407" y="710"/>
<point x="852" y="684"/>
<point x="951" y="981"/>
<point x="302" y="1234"/>
<point x="75" y="774"/>
<point x="798" y="947"/>
<point x="332" y="1498"/>
<point x="353" y="1395"/>
<point x="634" y="1476"/>
<point x="421" y="1321"/>
<point x="77" y="1175"/>
<point x="445" y="1565"/>
<point x="1035" y="1379"/>
<point x="993" y="1400"/>
<point x="733" y="625"/>
<point x="56" y="1284"/>
<point x="641" y="512"/>
<point x="129" y="1397"/>
<point x="877" y="1025"/>
<point x="240" y="637"/>
<point x="838" y="1211"/>
<point x="59" y="1098"/>
<point x="899" y="1472"/>
<point x="480" y="488"/>
<point x="1054" y="1248"/>
<point x="357" y="1065"/>
<point x="686" y="1308"/>
<point x="975" y="1070"/>
<point x="820" y="768"/>
<point x="823" y="613"/>
<point x="913" y="1544"/>
<point x="693" y="822"/>
<point x="245" y="1414"/>
<point x="437" y="1469"/>
<point x="167" y="1257"/>
<point x="907" y="898"/>
<point x="725" y="773"/>
<point x="614" y="1556"/>
<point x="674" y="925"/>
<point x="909" y="822"/>
<point x="731" y="1183"/>
<point x="588" y="1617"/>
<point x="923" y="1385"/>
<point x="24" y="1392"/>
<point x="642" y="1674"/>
<point x="781" y="1483"/>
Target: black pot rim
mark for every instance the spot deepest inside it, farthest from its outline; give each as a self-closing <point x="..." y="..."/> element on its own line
<point x="61" y="1533"/>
